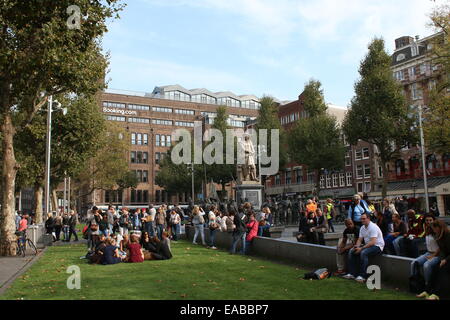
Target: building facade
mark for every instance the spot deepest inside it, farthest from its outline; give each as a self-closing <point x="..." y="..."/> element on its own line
<point x="150" y="119"/>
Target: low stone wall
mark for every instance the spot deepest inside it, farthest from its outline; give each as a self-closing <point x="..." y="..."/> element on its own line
<point x="394" y="269"/>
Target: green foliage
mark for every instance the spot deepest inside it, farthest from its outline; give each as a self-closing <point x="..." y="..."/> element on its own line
<point x="379" y="112"/>
<point x="316" y="141"/>
<point x="313" y="99"/>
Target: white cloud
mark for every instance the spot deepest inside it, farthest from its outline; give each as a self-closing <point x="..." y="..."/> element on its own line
<point x="149" y="73"/>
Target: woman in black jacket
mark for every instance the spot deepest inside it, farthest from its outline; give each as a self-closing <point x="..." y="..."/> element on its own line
<point x="49" y="224"/>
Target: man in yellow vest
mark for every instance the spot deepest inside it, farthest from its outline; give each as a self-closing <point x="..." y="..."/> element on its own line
<point x="330" y="214"/>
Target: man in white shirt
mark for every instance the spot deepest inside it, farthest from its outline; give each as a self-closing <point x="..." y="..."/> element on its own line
<point x="358" y="257"/>
<point x="150" y="221"/>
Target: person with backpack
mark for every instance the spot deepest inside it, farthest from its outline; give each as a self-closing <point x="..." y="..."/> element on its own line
<point x="239" y="233"/>
<point x="73" y="221"/>
<point x="358" y="208"/>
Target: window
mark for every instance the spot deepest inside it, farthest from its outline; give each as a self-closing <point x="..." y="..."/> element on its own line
<point x="139" y="139"/>
<point x="335" y="180"/>
<point x="138" y="107"/>
<point x="322" y="182"/>
<point x="367" y="171"/>
<point x="401" y="57"/>
<point x="139" y="120"/>
<point x="116" y="118"/>
<point x="162" y="122"/>
<point x="145" y="139"/>
<point x="359" y="171"/>
<point x="113" y="105"/>
<point x="380" y="172"/>
<point x="145" y="176"/>
<point x="328" y="180"/>
<point x="145" y="157"/>
<point x="133" y="138"/>
<point x="360" y="187"/>
<point x="416" y="92"/>
<point x="366" y="153"/>
<point x="288" y="177"/>
<point x="185" y="112"/>
<point x="423" y="68"/>
<point x="367" y="187"/>
<point x="414" y="50"/>
<point x="298" y="176"/>
<point x="184" y="124"/>
<point x="358" y="155"/>
<point x="163" y="141"/>
<point x="157" y="158"/>
<point x="277" y="180"/>
<point x="139" y="175"/>
<point x="348" y="160"/>
<point x="133" y="156"/>
<point x="342" y="179"/>
<point x="311" y="177"/>
<point x="349" y="178"/>
<point x="169" y="141"/>
<point x="158" y="139"/>
<point x="432" y="84"/>
<point x="162" y="109"/>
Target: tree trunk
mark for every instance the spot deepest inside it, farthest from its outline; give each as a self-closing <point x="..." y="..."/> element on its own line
<point x="54" y="200"/>
<point x="38" y="209"/>
<point x="385" y="179"/>
<point x="8" y="181"/>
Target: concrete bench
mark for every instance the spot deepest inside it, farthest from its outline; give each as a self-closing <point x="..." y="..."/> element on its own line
<point x="274" y="232"/>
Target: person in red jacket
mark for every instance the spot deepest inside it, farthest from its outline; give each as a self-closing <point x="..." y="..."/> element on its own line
<point x="252" y="231"/>
<point x="410" y="242"/>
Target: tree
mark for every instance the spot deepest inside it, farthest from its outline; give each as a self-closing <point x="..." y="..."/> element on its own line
<point x="316" y="141"/>
<point x="437" y="115"/>
<point x="108" y="169"/>
<point x="221" y="172"/>
<point x="379" y="112"/>
<point x="40" y="56"/>
<point x="268" y="119"/>
<point x="76" y="138"/>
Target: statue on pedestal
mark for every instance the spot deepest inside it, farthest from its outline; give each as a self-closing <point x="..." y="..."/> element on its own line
<point x="247" y="171"/>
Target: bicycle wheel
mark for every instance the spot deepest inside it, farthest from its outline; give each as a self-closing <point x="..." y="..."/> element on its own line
<point x="32" y="247"/>
<point x="23" y="248"/>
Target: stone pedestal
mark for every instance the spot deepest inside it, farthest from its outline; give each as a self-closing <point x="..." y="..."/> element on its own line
<point x="252" y="191"/>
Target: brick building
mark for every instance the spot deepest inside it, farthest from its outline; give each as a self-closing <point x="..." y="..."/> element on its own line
<point x="151" y="118"/>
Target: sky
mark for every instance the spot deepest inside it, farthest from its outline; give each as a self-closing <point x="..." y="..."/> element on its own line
<point x="260" y="47"/>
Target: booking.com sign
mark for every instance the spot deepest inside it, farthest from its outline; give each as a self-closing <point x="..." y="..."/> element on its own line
<point x="214" y="151"/>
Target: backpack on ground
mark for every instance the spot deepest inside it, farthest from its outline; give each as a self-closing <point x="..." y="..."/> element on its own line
<point x="319" y="274"/>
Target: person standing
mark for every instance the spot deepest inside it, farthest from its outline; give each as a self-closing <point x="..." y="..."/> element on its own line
<point x="58" y="224"/>
<point x="124" y="222"/>
<point x="356" y="209"/>
<point x="330" y="214"/>
<point x="252" y="232"/>
<point x="73" y="221"/>
<point x="359" y="255"/>
<point x="111" y="213"/>
<point x="175" y="221"/>
<point x="150" y="221"/>
<point x="213" y="227"/>
<point x="239" y="232"/>
<point x="160" y="221"/>
<point x="199" y="224"/>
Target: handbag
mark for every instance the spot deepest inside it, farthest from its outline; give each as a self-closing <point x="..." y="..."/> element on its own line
<point x="213" y="226"/>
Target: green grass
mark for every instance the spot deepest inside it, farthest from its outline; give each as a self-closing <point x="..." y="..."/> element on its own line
<point x="193" y="273"/>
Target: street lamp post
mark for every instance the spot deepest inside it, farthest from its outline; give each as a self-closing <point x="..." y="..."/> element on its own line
<point x="422" y="147"/>
<point x="48" y="149"/>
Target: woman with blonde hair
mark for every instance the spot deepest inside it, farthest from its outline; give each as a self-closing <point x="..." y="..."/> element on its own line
<point x="199" y="224"/>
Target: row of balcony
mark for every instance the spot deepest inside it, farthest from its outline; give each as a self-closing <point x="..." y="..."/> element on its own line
<point x="418" y="173"/>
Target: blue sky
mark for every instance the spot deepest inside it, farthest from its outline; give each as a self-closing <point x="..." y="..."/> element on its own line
<point x="255" y="46"/>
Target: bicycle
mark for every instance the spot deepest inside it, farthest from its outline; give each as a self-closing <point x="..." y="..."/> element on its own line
<point x="22" y="242"/>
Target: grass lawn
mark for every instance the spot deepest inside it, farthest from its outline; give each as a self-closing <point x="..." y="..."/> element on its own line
<point x="194" y="273"/>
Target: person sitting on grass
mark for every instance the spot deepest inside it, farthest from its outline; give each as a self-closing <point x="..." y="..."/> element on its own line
<point x="372" y="236"/>
<point x="163" y="250"/>
<point x="111" y="253"/>
<point x="97" y="256"/>
<point x="124" y="243"/>
<point x="346" y="243"/>
<point x="438" y="287"/>
<point x="135" y="254"/>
